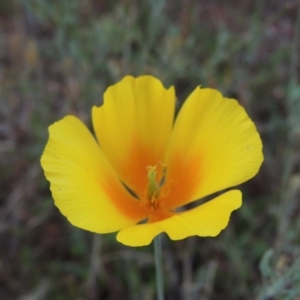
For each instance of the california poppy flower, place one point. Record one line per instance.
(143, 166)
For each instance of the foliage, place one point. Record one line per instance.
(57, 58)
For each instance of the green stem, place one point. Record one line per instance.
(159, 268)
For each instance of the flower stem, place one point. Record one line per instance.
(159, 268)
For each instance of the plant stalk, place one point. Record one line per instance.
(159, 267)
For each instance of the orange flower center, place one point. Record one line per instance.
(156, 190)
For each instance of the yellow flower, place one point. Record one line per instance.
(144, 166)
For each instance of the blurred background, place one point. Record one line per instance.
(57, 58)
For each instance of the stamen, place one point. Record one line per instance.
(153, 186)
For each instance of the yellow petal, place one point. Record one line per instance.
(133, 126)
(207, 219)
(83, 184)
(214, 145)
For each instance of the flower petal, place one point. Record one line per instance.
(214, 145)
(207, 219)
(83, 184)
(133, 127)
